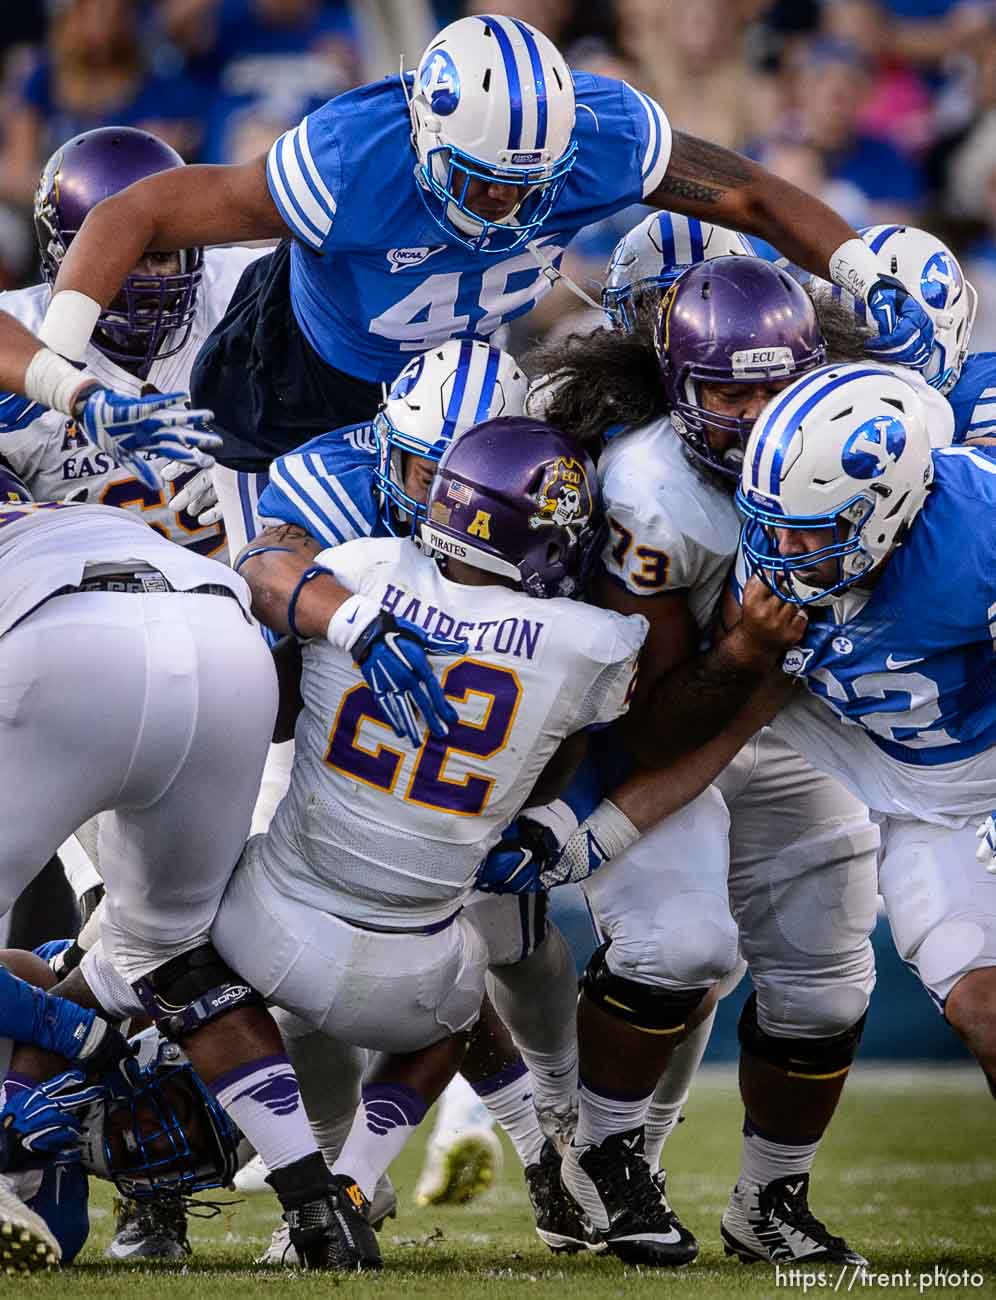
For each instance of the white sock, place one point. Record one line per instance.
(762, 1161)
(385, 1120)
(601, 1115)
(508, 1096)
(671, 1093)
(265, 1102)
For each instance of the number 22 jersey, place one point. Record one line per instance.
(381, 834)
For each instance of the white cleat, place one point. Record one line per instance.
(774, 1223)
(252, 1177)
(26, 1244)
(458, 1166)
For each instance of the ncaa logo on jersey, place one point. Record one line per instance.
(873, 446)
(795, 661)
(440, 84)
(940, 281)
(402, 259)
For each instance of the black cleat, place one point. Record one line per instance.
(332, 1232)
(559, 1220)
(774, 1223)
(154, 1229)
(627, 1207)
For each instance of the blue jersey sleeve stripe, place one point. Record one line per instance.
(299, 185)
(296, 220)
(339, 498)
(314, 488)
(315, 519)
(539, 80)
(318, 187)
(658, 152)
(512, 76)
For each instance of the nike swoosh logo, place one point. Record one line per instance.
(352, 617)
(893, 663)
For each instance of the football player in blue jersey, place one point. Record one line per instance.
(427, 206)
(854, 520)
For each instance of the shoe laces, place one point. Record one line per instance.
(629, 1182)
(800, 1216)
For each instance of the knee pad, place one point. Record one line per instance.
(695, 953)
(647, 1007)
(822, 1003)
(191, 990)
(805, 1058)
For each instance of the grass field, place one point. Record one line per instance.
(908, 1174)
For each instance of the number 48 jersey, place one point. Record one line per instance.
(375, 832)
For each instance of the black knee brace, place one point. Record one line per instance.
(645, 1007)
(191, 990)
(807, 1058)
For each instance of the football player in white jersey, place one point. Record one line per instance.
(147, 340)
(790, 850)
(370, 857)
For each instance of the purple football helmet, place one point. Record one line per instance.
(517, 498)
(734, 320)
(152, 316)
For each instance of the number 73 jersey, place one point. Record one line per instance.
(376, 832)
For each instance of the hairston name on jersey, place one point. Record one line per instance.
(519, 637)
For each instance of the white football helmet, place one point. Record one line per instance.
(492, 100)
(655, 252)
(438, 396)
(929, 269)
(844, 448)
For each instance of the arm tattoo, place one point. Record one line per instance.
(701, 172)
(292, 533)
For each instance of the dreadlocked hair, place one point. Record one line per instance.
(844, 333)
(589, 382)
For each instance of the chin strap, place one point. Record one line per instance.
(553, 274)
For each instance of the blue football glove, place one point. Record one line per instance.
(46, 951)
(125, 427)
(17, 412)
(392, 655)
(82, 1036)
(985, 850)
(516, 863)
(905, 331)
(42, 1123)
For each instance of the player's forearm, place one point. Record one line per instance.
(715, 184)
(29, 368)
(651, 794)
(274, 564)
(687, 707)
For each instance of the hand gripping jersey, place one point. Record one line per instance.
(48, 546)
(973, 398)
(385, 836)
(54, 457)
(374, 278)
(670, 529)
(903, 684)
(327, 486)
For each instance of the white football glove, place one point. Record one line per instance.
(197, 496)
(985, 850)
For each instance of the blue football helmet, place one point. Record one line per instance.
(654, 253)
(436, 397)
(165, 1134)
(492, 101)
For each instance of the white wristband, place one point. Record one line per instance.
(69, 323)
(856, 268)
(349, 620)
(53, 381)
(557, 817)
(612, 829)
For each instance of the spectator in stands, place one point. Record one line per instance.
(93, 71)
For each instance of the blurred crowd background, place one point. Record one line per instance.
(885, 108)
